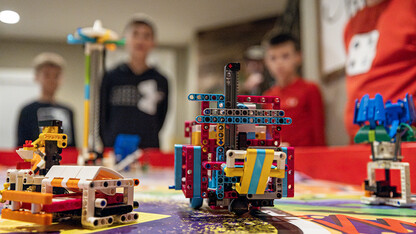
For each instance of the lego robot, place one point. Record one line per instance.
(234, 159)
(41, 191)
(385, 126)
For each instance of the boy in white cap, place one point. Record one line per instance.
(48, 74)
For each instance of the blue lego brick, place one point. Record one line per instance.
(230, 180)
(219, 175)
(284, 185)
(220, 154)
(197, 171)
(206, 97)
(220, 184)
(258, 166)
(244, 120)
(178, 166)
(371, 110)
(251, 135)
(212, 184)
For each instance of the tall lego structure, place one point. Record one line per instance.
(96, 40)
(385, 126)
(234, 159)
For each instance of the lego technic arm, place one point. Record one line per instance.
(45, 151)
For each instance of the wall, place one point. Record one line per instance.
(333, 92)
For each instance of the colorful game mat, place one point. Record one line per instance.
(318, 207)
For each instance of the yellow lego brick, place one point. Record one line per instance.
(86, 123)
(265, 171)
(249, 162)
(261, 136)
(231, 172)
(212, 135)
(28, 197)
(196, 138)
(27, 216)
(278, 173)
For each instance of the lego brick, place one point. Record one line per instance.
(63, 205)
(188, 128)
(251, 136)
(220, 154)
(23, 165)
(243, 112)
(212, 132)
(249, 165)
(29, 197)
(212, 165)
(220, 134)
(187, 187)
(234, 172)
(196, 138)
(258, 99)
(230, 194)
(205, 97)
(219, 184)
(178, 166)
(289, 180)
(197, 172)
(27, 216)
(243, 120)
(265, 170)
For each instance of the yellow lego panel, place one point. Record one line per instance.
(27, 216)
(249, 162)
(28, 197)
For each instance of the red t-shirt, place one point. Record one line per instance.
(381, 54)
(302, 102)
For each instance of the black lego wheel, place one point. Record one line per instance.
(239, 206)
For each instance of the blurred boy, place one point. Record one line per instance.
(48, 73)
(301, 100)
(133, 96)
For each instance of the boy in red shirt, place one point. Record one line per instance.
(301, 100)
(381, 53)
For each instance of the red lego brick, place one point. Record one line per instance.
(290, 172)
(188, 128)
(23, 165)
(187, 188)
(258, 99)
(230, 194)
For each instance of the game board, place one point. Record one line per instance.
(319, 207)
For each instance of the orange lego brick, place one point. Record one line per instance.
(72, 183)
(28, 197)
(27, 216)
(57, 182)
